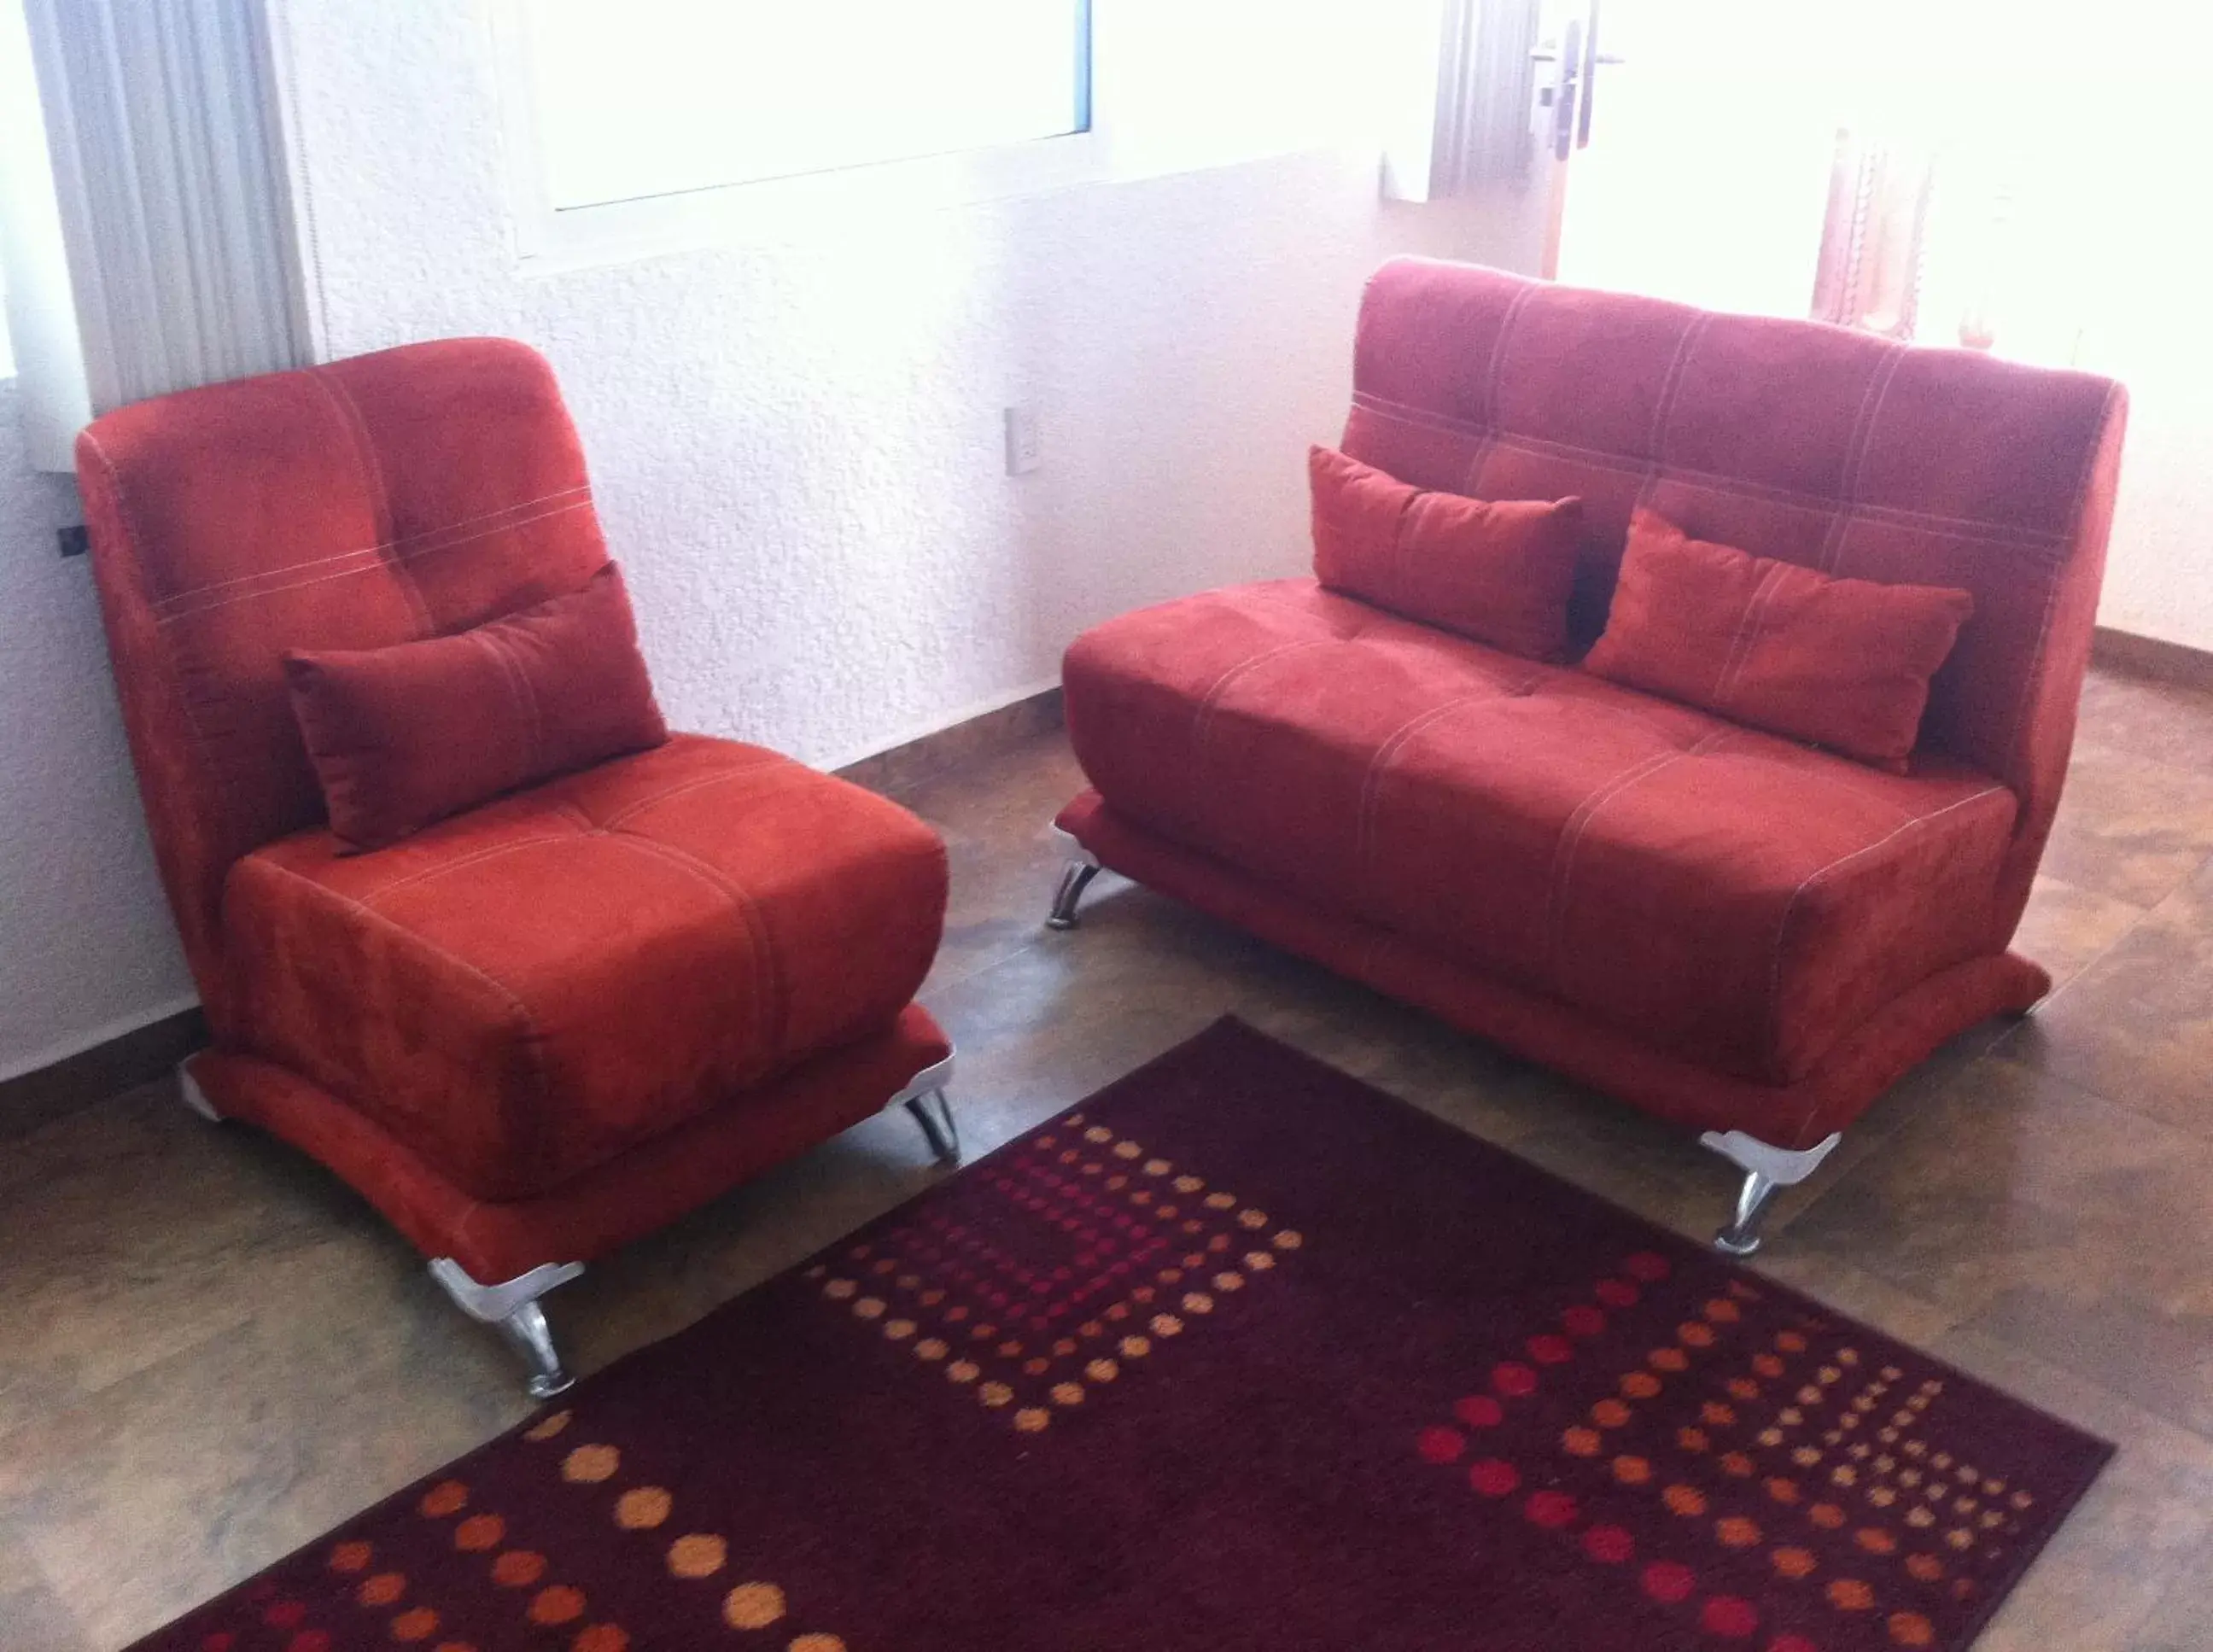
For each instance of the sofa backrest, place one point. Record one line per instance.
(1839, 450)
(406, 494)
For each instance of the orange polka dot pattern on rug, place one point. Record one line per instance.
(1140, 1233)
(1799, 1444)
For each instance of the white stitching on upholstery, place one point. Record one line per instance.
(1487, 431)
(1202, 723)
(1962, 528)
(699, 783)
(431, 874)
(1371, 783)
(533, 1037)
(371, 464)
(1790, 907)
(1747, 633)
(368, 549)
(1846, 510)
(1570, 840)
(773, 1009)
(511, 667)
(1663, 409)
(348, 573)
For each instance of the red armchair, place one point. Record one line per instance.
(535, 1031)
(1741, 934)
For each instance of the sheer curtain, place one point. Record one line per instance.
(169, 194)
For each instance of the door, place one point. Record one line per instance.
(1685, 149)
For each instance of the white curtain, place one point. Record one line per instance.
(169, 176)
(1486, 82)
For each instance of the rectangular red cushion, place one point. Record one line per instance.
(404, 736)
(1499, 571)
(1844, 663)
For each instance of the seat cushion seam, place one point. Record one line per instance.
(431, 874)
(772, 1015)
(700, 782)
(1371, 783)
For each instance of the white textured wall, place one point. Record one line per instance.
(85, 947)
(797, 449)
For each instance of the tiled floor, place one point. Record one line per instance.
(209, 1352)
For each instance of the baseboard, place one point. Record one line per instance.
(2150, 656)
(982, 734)
(36, 1099)
(47, 1093)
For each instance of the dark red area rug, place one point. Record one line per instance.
(1240, 1354)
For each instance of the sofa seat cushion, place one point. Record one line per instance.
(526, 991)
(1727, 895)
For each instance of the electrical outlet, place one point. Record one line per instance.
(1025, 441)
(76, 541)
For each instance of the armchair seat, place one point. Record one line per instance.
(534, 988)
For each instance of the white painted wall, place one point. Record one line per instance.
(87, 949)
(797, 448)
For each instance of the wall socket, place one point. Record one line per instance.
(1025, 441)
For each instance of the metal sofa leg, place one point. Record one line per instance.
(511, 1308)
(925, 1099)
(1767, 1170)
(189, 1091)
(1083, 867)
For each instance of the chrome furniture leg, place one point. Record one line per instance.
(189, 1090)
(1083, 867)
(925, 1099)
(511, 1308)
(1767, 1170)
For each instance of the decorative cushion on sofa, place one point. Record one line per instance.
(403, 735)
(1724, 894)
(526, 990)
(1843, 663)
(1499, 571)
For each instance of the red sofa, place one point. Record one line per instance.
(1742, 934)
(540, 1029)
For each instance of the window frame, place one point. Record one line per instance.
(548, 239)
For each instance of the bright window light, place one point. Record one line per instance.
(647, 98)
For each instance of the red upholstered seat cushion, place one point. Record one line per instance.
(1725, 895)
(1499, 571)
(1843, 663)
(523, 991)
(404, 736)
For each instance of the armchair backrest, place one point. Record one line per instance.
(406, 494)
(1839, 450)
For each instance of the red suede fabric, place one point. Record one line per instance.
(384, 499)
(607, 1206)
(1868, 1060)
(404, 736)
(1633, 889)
(1499, 572)
(543, 1025)
(1843, 663)
(1731, 897)
(1844, 452)
(542, 984)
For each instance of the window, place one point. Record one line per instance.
(651, 98)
